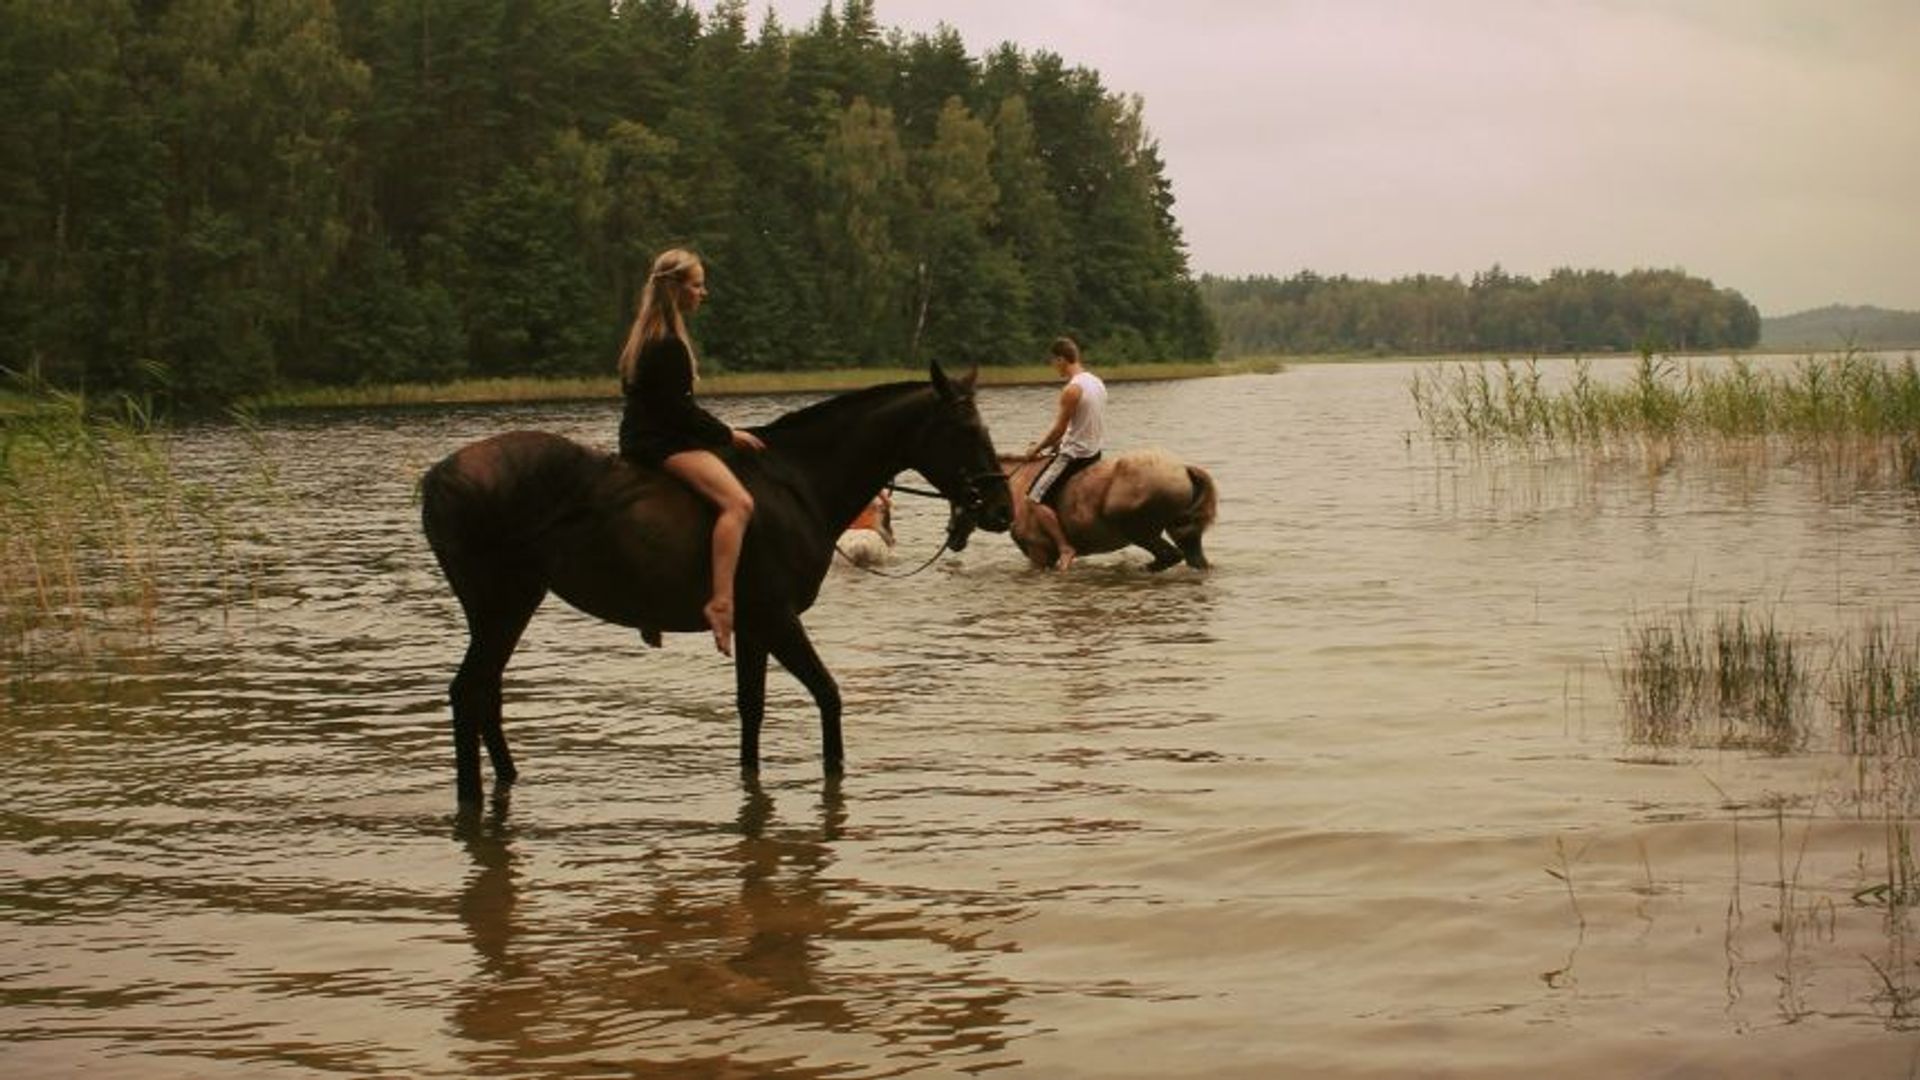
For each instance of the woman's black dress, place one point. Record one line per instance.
(661, 418)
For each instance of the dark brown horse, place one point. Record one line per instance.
(516, 516)
(1147, 498)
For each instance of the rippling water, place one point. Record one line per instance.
(1355, 803)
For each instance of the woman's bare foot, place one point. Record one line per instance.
(720, 617)
(1065, 561)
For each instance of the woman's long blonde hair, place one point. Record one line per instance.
(659, 315)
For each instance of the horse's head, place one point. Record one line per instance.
(955, 454)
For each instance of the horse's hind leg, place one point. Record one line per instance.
(1190, 548)
(1164, 554)
(497, 610)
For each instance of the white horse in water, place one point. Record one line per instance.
(868, 539)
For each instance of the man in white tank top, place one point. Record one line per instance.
(1078, 431)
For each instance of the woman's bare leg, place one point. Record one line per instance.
(707, 474)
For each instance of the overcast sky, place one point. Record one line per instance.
(1772, 146)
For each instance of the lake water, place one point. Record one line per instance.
(1356, 803)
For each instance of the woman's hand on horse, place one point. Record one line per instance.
(747, 440)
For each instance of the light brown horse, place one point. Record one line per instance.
(1148, 498)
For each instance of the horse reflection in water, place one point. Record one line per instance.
(516, 516)
(768, 940)
(1144, 498)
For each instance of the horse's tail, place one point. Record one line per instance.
(1202, 508)
(1206, 499)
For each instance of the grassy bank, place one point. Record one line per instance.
(716, 384)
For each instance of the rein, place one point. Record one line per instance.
(922, 492)
(941, 550)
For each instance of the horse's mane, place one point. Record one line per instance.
(831, 411)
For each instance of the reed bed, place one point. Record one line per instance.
(1852, 409)
(1743, 683)
(1747, 682)
(1876, 697)
(89, 506)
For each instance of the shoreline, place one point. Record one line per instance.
(717, 384)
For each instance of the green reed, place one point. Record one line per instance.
(1748, 682)
(1743, 684)
(1863, 407)
(1876, 694)
(1661, 681)
(88, 501)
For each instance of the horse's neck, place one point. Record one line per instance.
(852, 462)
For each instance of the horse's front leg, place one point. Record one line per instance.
(750, 695)
(794, 650)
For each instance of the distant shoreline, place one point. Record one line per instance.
(719, 384)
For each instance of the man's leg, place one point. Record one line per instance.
(1050, 523)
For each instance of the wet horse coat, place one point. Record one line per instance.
(516, 516)
(1147, 498)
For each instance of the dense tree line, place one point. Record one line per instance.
(1570, 311)
(211, 197)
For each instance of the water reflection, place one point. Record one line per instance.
(762, 940)
(1245, 806)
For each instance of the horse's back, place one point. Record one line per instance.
(1129, 496)
(490, 491)
(619, 540)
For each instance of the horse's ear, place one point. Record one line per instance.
(949, 389)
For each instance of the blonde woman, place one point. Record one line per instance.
(663, 426)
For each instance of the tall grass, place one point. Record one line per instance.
(1744, 684)
(1861, 407)
(1748, 682)
(1877, 691)
(89, 501)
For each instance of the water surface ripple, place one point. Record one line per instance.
(1355, 803)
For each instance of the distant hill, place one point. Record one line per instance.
(1837, 326)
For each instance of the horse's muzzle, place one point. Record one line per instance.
(995, 516)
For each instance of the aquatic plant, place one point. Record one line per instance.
(1755, 681)
(1876, 696)
(1744, 684)
(89, 501)
(1854, 409)
(1660, 681)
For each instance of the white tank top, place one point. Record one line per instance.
(1087, 428)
